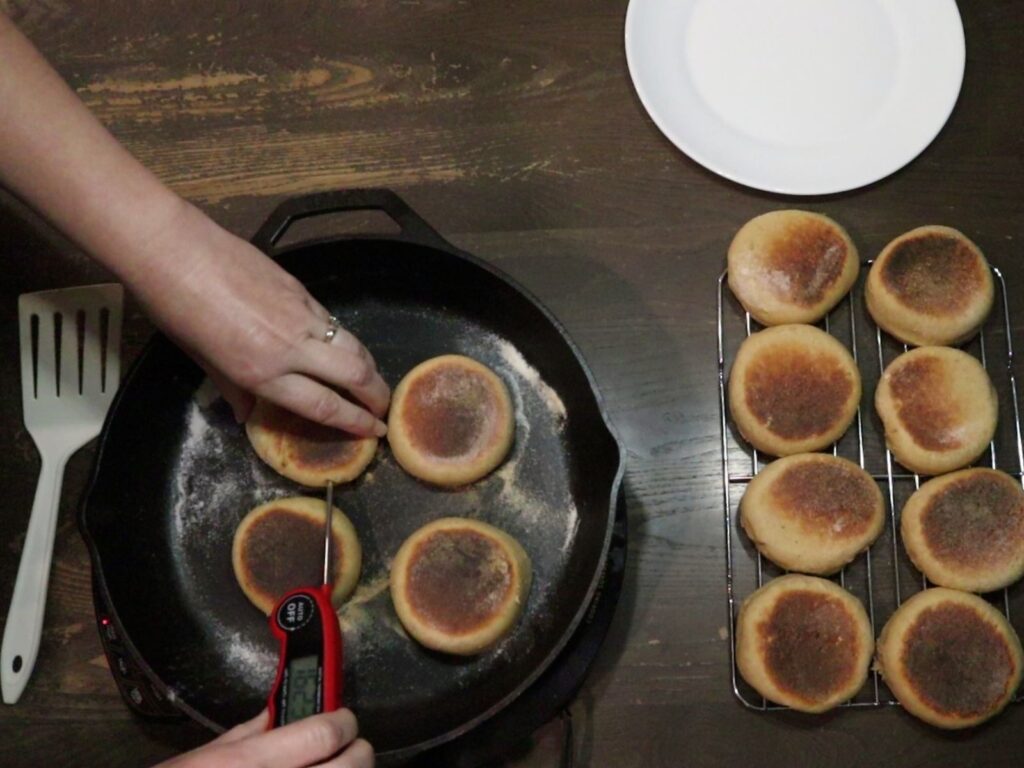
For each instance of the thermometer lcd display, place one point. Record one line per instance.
(303, 688)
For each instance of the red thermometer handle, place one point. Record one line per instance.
(310, 664)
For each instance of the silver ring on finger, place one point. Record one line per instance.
(333, 326)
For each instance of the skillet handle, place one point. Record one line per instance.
(413, 228)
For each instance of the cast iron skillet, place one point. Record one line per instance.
(174, 475)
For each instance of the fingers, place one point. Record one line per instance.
(343, 362)
(244, 730)
(359, 754)
(347, 364)
(312, 400)
(310, 741)
(326, 741)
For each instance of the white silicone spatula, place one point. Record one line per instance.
(70, 369)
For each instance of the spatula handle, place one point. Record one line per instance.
(25, 617)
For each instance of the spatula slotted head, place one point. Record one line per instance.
(70, 360)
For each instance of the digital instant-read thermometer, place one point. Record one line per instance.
(309, 668)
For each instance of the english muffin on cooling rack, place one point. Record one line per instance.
(804, 642)
(939, 409)
(965, 530)
(930, 287)
(791, 266)
(950, 658)
(793, 389)
(812, 512)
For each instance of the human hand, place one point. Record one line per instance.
(327, 740)
(251, 325)
(255, 329)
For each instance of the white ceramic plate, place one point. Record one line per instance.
(797, 96)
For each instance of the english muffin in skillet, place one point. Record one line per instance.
(804, 642)
(793, 389)
(812, 512)
(939, 409)
(279, 546)
(304, 451)
(930, 287)
(451, 421)
(950, 658)
(459, 585)
(965, 530)
(791, 266)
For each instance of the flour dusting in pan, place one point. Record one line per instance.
(515, 360)
(216, 484)
(203, 494)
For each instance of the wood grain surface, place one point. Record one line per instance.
(514, 130)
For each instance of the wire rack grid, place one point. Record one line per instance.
(883, 575)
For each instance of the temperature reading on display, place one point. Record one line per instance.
(303, 688)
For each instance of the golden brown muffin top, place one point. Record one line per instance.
(804, 260)
(458, 579)
(306, 443)
(809, 644)
(827, 498)
(956, 661)
(924, 403)
(933, 272)
(797, 393)
(450, 411)
(283, 550)
(975, 521)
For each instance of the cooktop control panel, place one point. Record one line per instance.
(138, 692)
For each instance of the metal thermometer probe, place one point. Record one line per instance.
(310, 661)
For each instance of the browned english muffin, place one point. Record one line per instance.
(812, 512)
(965, 530)
(304, 451)
(930, 287)
(939, 409)
(459, 585)
(279, 546)
(804, 642)
(791, 266)
(451, 421)
(793, 389)
(950, 658)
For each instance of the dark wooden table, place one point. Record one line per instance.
(513, 128)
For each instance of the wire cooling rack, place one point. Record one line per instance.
(883, 577)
